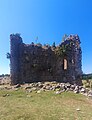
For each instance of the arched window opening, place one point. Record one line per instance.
(65, 64)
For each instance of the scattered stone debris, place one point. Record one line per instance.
(17, 86)
(90, 94)
(29, 96)
(59, 92)
(5, 80)
(5, 95)
(56, 87)
(76, 90)
(78, 109)
(38, 91)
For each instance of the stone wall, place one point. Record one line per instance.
(34, 62)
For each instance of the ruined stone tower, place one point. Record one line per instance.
(34, 62)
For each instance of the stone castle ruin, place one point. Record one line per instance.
(35, 62)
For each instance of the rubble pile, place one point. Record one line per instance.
(57, 88)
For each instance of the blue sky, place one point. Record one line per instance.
(49, 20)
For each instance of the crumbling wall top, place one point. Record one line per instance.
(72, 38)
(15, 37)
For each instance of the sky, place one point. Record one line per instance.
(49, 20)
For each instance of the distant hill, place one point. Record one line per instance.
(87, 76)
(5, 75)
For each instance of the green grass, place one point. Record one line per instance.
(20, 105)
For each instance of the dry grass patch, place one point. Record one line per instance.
(20, 105)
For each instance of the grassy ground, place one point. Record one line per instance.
(87, 83)
(19, 105)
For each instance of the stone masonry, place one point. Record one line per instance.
(35, 62)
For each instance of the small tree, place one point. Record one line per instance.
(54, 45)
(8, 55)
